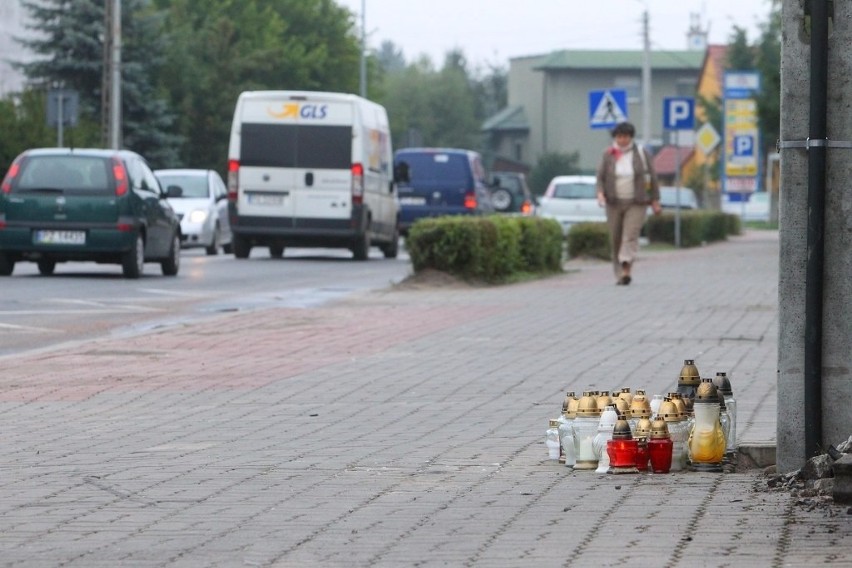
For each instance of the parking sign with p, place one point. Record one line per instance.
(678, 113)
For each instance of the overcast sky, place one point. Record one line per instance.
(492, 31)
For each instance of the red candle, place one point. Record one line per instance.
(660, 451)
(642, 455)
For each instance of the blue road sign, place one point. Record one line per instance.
(744, 146)
(607, 108)
(678, 113)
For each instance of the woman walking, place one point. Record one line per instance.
(626, 186)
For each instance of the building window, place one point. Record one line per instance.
(633, 87)
(519, 151)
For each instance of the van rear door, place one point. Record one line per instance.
(295, 159)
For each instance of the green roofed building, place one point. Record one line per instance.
(548, 103)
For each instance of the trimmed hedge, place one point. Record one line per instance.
(589, 239)
(696, 227)
(491, 248)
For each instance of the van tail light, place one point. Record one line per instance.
(357, 184)
(6, 187)
(470, 200)
(233, 179)
(526, 208)
(119, 174)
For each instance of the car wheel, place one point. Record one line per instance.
(361, 250)
(6, 265)
(391, 250)
(213, 249)
(502, 199)
(228, 249)
(171, 265)
(276, 251)
(46, 267)
(242, 248)
(133, 262)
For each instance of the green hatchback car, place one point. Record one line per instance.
(105, 206)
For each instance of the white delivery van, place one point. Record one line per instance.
(311, 169)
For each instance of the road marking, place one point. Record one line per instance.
(28, 328)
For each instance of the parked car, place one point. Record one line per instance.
(200, 199)
(571, 200)
(669, 198)
(755, 208)
(59, 205)
(510, 193)
(441, 181)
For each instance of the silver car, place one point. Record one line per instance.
(200, 199)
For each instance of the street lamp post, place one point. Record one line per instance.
(364, 48)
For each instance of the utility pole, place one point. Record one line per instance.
(646, 80)
(111, 84)
(364, 48)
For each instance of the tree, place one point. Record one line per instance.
(71, 44)
(768, 63)
(292, 44)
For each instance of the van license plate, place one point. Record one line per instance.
(60, 237)
(412, 201)
(265, 198)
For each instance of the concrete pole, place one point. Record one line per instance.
(835, 372)
(115, 75)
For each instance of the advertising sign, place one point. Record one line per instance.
(742, 137)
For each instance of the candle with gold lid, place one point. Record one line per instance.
(688, 382)
(621, 449)
(585, 427)
(706, 440)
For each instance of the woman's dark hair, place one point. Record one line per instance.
(624, 128)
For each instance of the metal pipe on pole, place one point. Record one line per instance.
(817, 135)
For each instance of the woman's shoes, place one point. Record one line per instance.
(625, 274)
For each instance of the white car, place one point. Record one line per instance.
(571, 200)
(201, 205)
(755, 209)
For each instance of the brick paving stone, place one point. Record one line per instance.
(403, 427)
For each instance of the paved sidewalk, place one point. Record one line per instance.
(404, 427)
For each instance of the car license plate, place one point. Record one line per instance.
(60, 237)
(265, 198)
(412, 201)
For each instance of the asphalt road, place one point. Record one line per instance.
(85, 300)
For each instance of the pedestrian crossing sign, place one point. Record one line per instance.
(607, 108)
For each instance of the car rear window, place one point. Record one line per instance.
(513, 184)
(296, 146)
(574, 191)
(191, 186)
(437, 168)
(86, 174)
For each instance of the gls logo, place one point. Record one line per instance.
(293, 110)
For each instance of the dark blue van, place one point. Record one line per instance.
(442, 181)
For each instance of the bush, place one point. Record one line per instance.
(696, 227)
(492, 248)
(589, 239)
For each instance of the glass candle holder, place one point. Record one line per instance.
(551, 439)
(585, 427)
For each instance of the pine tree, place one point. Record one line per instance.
(70, 43)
